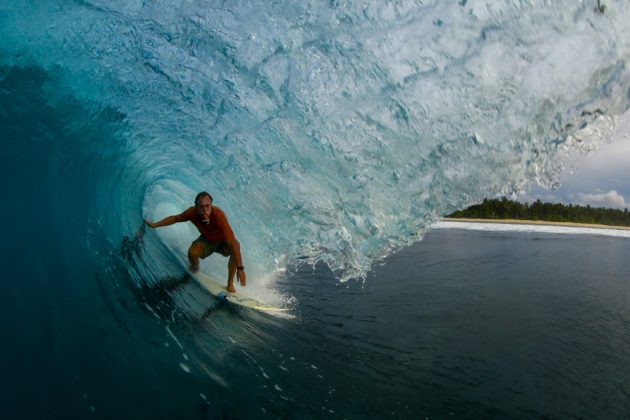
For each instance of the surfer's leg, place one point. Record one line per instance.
(223, 249)
(231, 272)
(194, 252)
(200, 248)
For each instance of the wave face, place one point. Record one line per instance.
(332, 132)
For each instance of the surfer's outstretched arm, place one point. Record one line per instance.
(167, 221)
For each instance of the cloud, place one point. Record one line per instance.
(610, 199)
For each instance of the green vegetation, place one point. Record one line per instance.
(552, 212)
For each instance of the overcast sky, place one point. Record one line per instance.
(601, 179)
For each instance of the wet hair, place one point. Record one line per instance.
(201, 195)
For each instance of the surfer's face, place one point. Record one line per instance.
(204, 208)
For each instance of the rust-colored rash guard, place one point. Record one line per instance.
(217, 230)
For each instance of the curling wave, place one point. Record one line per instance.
(332, 132)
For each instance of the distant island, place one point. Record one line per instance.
(503, 208)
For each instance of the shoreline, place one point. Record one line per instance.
(533, 222)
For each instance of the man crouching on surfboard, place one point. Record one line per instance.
(216, 236)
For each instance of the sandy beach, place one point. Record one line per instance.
(534, 222)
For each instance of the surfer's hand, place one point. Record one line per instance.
(149, 223)
(241, 277)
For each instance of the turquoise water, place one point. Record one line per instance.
(332, 135)
(465, 324)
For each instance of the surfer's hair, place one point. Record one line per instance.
(201, 195)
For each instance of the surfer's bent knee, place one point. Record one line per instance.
(195, 251)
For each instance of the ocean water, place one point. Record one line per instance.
(333, 135)
(464, 324)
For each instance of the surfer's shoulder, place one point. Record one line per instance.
(220, 216)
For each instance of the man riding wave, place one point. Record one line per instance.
(215, 236)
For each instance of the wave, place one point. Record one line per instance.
(334, 132)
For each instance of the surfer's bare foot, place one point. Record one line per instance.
(193, 268)
(230, 288)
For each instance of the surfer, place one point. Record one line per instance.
(216, 236)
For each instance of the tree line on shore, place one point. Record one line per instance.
(552, 212)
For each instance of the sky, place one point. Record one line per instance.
(600, 179)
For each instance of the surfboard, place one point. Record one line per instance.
(217, 289)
